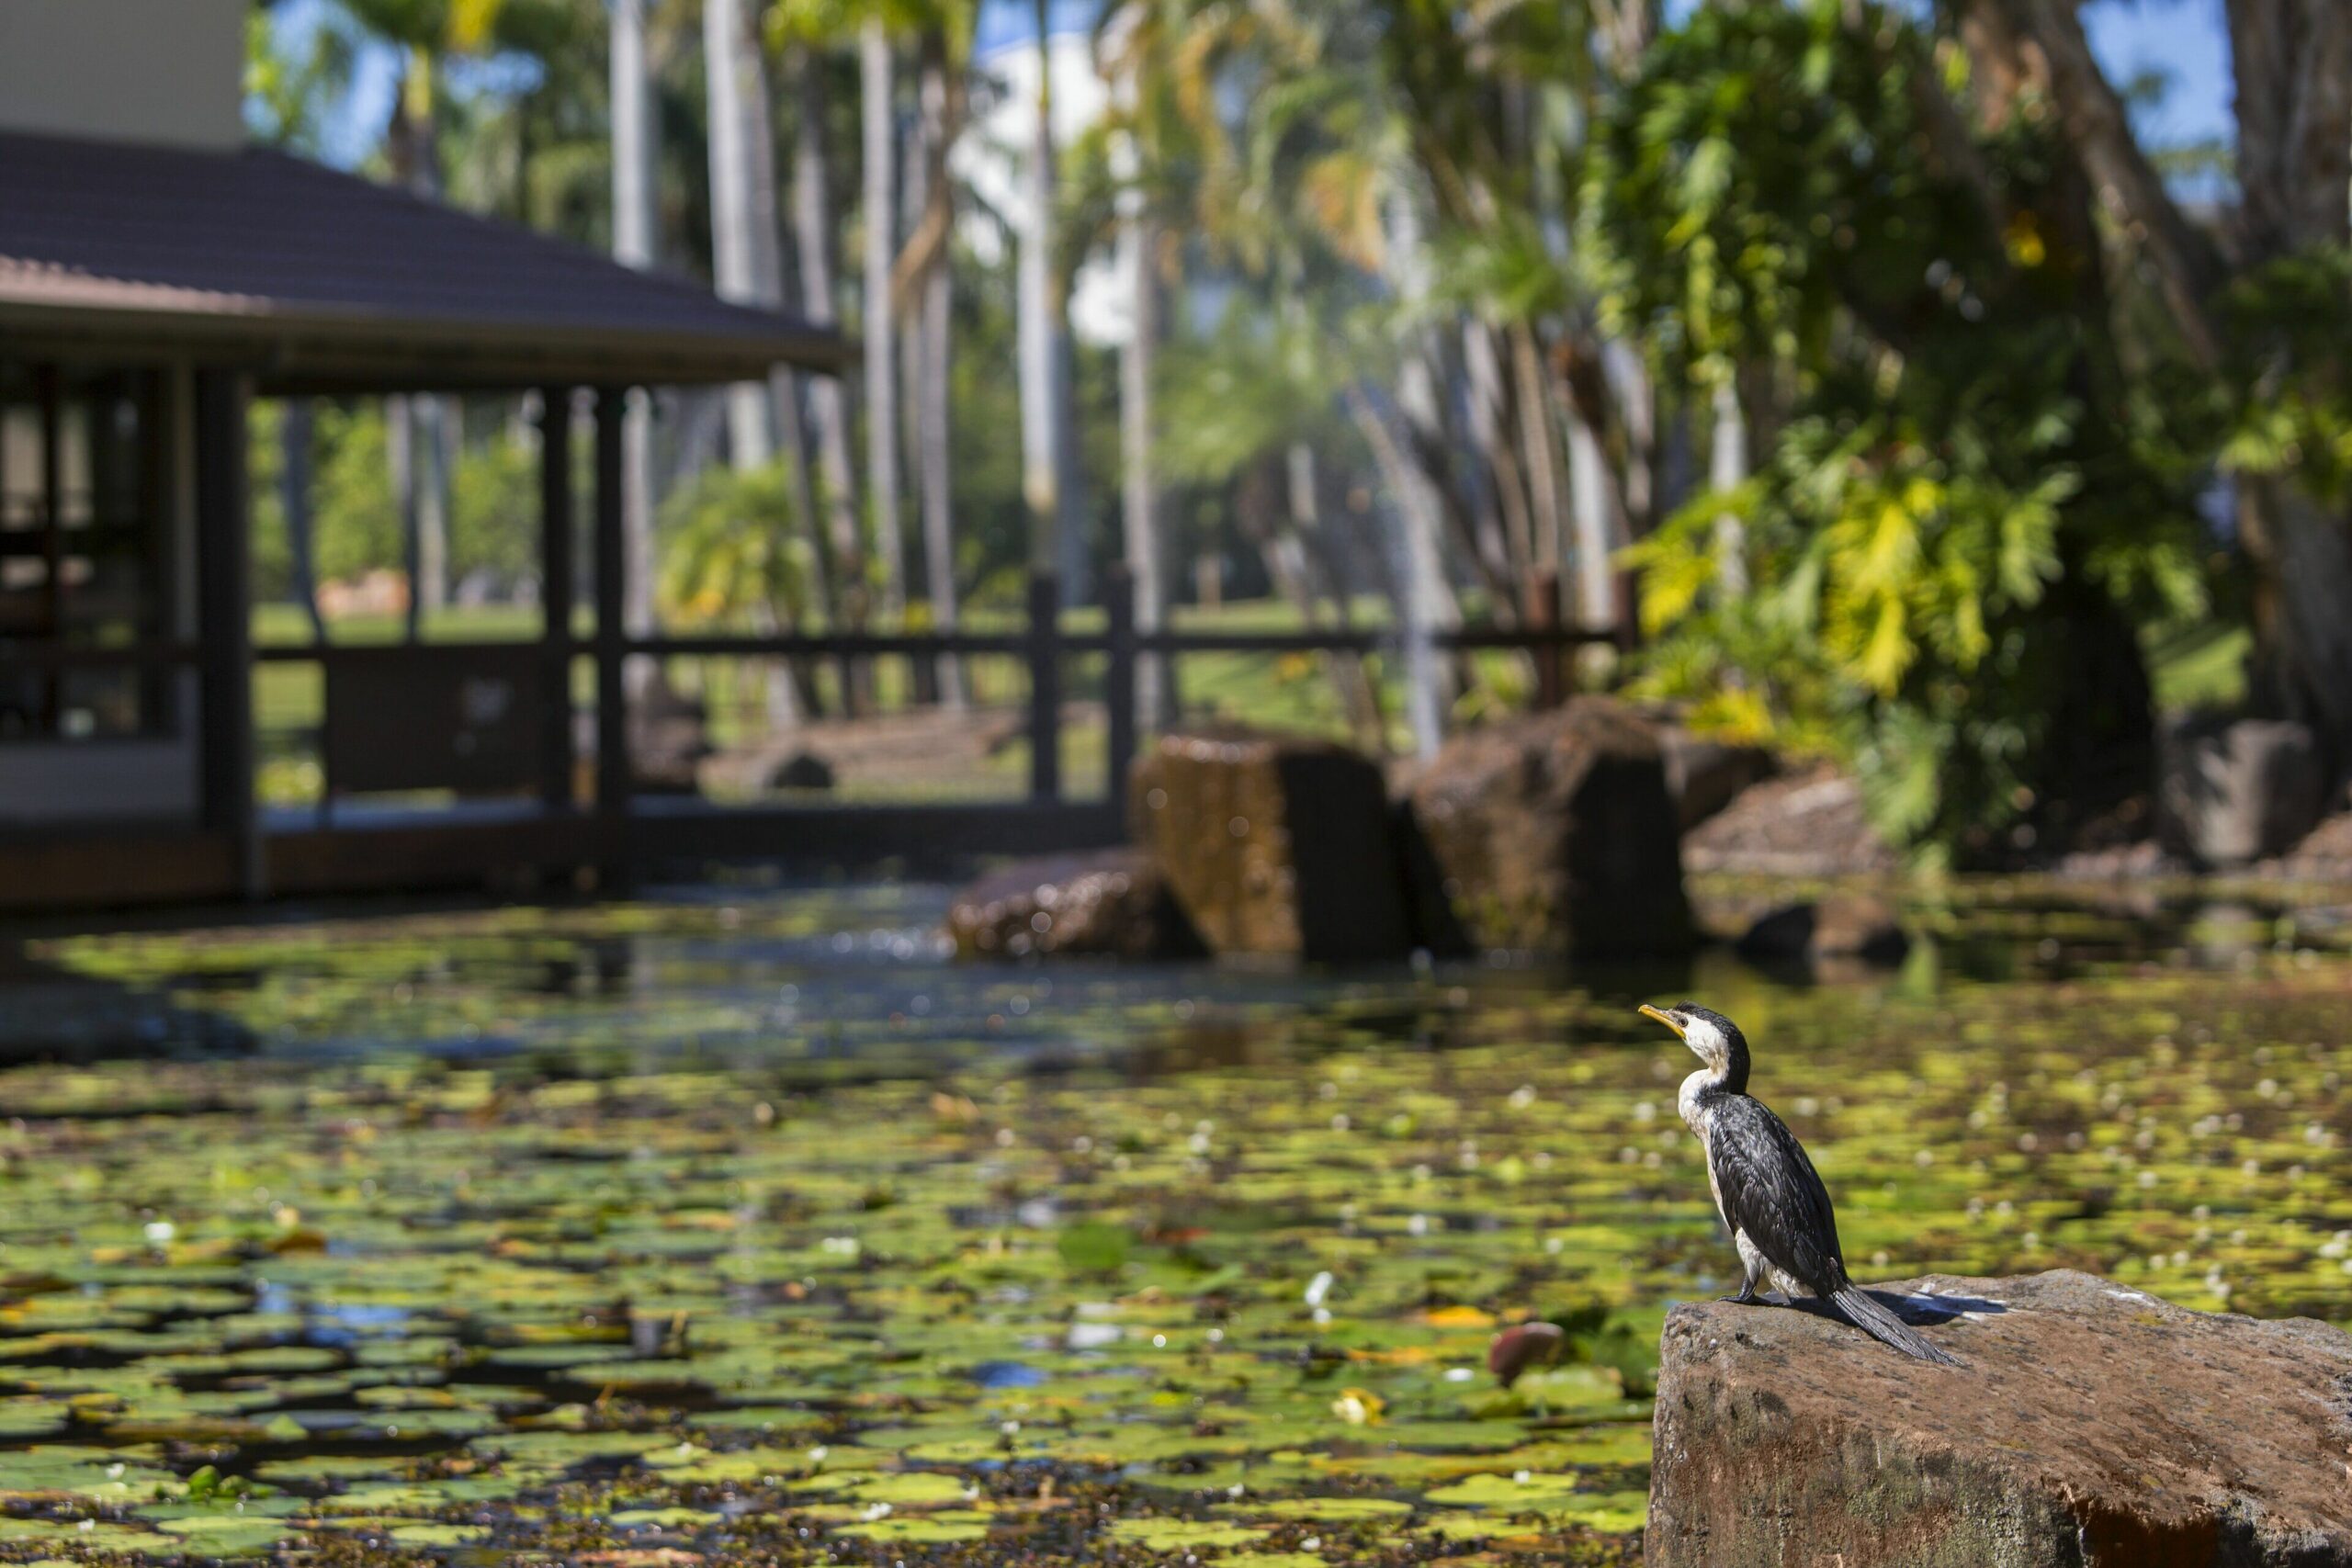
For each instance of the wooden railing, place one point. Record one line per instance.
(1044, 645)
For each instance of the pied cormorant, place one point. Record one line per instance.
(1765, 1187)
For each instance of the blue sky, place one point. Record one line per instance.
(2184, 40)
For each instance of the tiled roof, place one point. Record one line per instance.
(323, 280)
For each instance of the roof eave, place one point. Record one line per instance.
(329, 353)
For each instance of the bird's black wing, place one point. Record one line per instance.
(1769, 1189)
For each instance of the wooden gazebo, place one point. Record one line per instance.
(148, 292)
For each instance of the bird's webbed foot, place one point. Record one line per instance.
(1746, 1296)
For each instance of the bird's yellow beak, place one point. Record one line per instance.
(1664, 1017)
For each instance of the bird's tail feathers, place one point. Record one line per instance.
(1863, 1311)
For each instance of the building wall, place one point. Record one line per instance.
(156, 71)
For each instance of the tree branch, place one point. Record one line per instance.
(2091, 113)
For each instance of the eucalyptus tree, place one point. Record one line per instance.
(1965, 499)
(2255, 310)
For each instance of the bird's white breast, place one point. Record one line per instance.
(1701, 1119)
(1695, 1116)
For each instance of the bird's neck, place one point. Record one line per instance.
(1727, 1074)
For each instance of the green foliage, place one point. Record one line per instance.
(1238, 396)
(1911, 525)
(732, 550)
(2290, 408)
(358, 525)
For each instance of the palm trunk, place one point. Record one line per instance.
(1415, 567)
(908, 376)
(436, 439)
(1536, 442)
(1344, 671)
(1727, 472)
(1596, 538)
(1506, 537)
(878, 117)
(813, 237)
(748, 263)
(399, 459)
(422, 458)
(295, 430)
(741, 178)
(1420, 552)
(1154, 684)
(633, 245)
(1056, 544)
(932, 394)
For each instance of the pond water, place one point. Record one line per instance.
(743, 1227)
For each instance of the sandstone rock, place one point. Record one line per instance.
(1840, 927)
(1809, 823)
(1274, 846)
(2230, 792)
(1557, 832)
(1113, 904)
(2088, 1425)
(1704, 776)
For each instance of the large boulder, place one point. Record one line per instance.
(2087, 1425)
(1274, 846)
(1557, 832)
(1807, 823)
(1111, 904)
(2231, 792)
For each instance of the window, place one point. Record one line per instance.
(83, 547)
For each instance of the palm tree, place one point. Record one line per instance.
(813, 239)
(1047, 434)
(634, 226)
(1118, 50)
(294, 95)
(420, 428)
(879, 120)
(924, 264)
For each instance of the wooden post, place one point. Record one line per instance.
(1540, 610)
(557, 580)
(225, 675)
(1629, 611)
(1119, 695)
(612, 692)
(49, 384)
(1044, 687)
